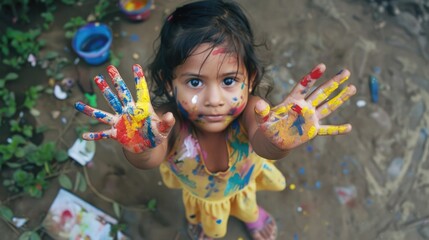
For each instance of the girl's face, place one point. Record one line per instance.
(211, 89)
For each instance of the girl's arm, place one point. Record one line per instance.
(135, 125)
(275, 131)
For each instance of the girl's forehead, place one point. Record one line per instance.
(206, 53)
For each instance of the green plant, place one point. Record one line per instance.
(8, 108)
(17, 45)
(100, 9)
(10, 76)
(33, 164)
(72, 25)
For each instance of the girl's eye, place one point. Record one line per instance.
(195, 83)
(229, 81)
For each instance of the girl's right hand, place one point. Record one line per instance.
(135, 125)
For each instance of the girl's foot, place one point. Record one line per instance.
(265, 228)
(195, 232)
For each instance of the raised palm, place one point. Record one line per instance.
(135, 125)
(297, 119)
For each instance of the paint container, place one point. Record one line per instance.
(92, 43)
(136, 10)
(373, 87)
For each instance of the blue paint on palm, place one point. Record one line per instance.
(298, 124)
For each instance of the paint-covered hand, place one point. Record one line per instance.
(297, 119)
(135, 125)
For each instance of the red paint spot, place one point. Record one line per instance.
(304, 82)
(88, 110)
(138, 71)
(264, 119)
(296, 109)
(101, 83)
(113, 72)
(316, 73)
(218, 51)
(162, 127)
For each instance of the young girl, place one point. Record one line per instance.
(213, 137)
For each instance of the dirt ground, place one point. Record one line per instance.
(384, 160)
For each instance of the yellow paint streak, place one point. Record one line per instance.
(307, 111)
(325, 111)
(342, 129)
(129, 125)
(328, 90)
(264, 112)
(320, 97)
(332, 130)
(143, 100)
(280, 110)
(344, 79)
(311, 132)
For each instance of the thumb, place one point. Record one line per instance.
(262, 110)
(167, 122)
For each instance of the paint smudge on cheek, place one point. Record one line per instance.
(238, 106)
(182, 110)
(194, 99)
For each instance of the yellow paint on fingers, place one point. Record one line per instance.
(143, 99)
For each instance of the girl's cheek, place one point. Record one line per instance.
(238, 104)
(188, 107)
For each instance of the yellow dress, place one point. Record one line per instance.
(210, 198)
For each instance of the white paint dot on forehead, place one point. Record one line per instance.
(194, 99)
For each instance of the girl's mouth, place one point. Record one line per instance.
(214, 118)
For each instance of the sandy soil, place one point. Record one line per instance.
(300, 33)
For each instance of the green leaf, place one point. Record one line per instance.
(61, 156)
(65, 181)
(80, 182)
(117, 209)
(51, 55)
(6, 213)
(13, 165)
(11, 76)
(151, 205)
(29, 235)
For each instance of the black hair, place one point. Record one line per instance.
(216, 22)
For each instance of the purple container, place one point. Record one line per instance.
(139, 14)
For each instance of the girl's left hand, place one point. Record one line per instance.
(297, 119)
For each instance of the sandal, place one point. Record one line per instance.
(195, 232)
(265, 228)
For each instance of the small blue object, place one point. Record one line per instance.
(301, 171)
(318, 185)
(373, 86)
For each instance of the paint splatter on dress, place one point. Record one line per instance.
(210, 198)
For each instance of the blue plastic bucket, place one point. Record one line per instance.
(92, 43)
(136, 10)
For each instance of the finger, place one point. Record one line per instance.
(166, 124)
(325, 130)
(93, 136)
(143, 97)
(262, 110)
(100, 115)
(326, 89)
(122, 89)
(327, 108)
(108, 94)
(303, 87)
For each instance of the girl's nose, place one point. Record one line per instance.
(214, 97)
